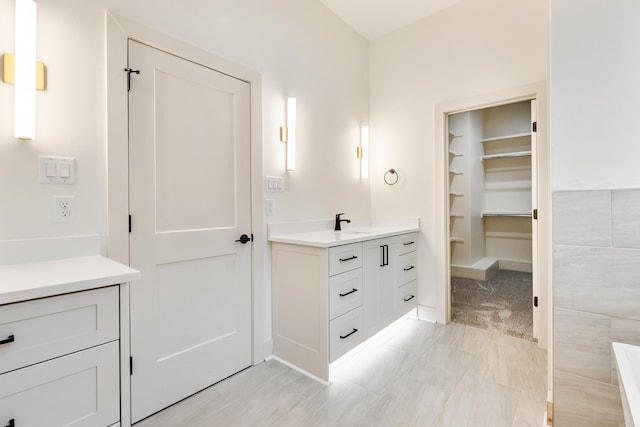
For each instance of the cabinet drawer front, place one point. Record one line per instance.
(50, 327)
(345, 258)
(406, 298)
(407, 268)
(345, 332)
(345, 292)
(81, 389)
(408, 243)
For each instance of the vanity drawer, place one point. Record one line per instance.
(406, 298)
(38, 330)
(80, 389)
(408, 243)
(344, 258)
(407, 268)
(345, 292)
(345, 332)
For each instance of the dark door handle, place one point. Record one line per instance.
(347, 259)
(349, 293)
(9, 339)
(408, 243)
(410, 298)
(12, 422)
(342, 337)
(244, 239)
(409, 268)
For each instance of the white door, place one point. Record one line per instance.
(535, 277)
(189, 154)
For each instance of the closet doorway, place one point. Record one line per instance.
(492, 212)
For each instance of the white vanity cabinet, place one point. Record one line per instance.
(60, 343)
(389, 265)
(328, 298)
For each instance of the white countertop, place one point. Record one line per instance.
(329, 238)
(19, 282)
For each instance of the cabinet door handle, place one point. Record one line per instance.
(385, 255)
(349, 293)
(347, 259)
(12, 422)
(410, 298)
(409, 268)
(9, 339)
(342, 337)
(408, 243)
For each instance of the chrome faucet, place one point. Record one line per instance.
(339, 221)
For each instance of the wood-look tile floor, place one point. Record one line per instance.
(414, 373)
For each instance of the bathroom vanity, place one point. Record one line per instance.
(60, 342)
(332, 290)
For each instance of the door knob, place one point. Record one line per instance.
(243, 239)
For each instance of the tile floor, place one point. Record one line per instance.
(414, 373)
(501, 304)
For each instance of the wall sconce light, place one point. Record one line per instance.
(363, 152)
(23, 71)
(288, 134)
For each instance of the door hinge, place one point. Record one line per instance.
(129, 71)
(534, 126)
(535, 214)
(535, 301)
(252, 237)
(131, 365)
(129, 223)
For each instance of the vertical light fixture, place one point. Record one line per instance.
(25, 70)
(291, 134)
(363, 152)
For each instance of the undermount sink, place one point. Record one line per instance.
(628, 366)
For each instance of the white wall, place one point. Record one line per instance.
(594, 94)
(300, 48)
(471, 49)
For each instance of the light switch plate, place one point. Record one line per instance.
(274, 184)
(57, 170)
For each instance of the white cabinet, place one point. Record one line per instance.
(388, 264)
(60, 360)
(328, 300)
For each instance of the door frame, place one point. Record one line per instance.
(536, 91)
(118, 31)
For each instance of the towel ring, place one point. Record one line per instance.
(391, 177)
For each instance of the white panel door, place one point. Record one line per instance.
(535, 277)
(189, 153)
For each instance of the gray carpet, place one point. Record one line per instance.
(501, 304)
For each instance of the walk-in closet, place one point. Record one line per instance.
(492, 192)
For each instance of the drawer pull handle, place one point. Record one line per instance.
(409, 268)
(9, 339)
(349, 293)
(12, 422)
(342, 337)
(408, 243)
(347, 259)
(410, 298)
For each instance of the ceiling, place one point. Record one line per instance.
(375, 18)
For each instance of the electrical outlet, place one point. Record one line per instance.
(269, 207)
(64, 208)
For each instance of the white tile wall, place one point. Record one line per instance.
(596, 290)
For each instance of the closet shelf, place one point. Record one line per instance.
(456, 239)
(506, 155)
(452, 154)
(507, 214)
(456, 173)
(456, 215)
(456, 194)
(453, 136)
(503, 137)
